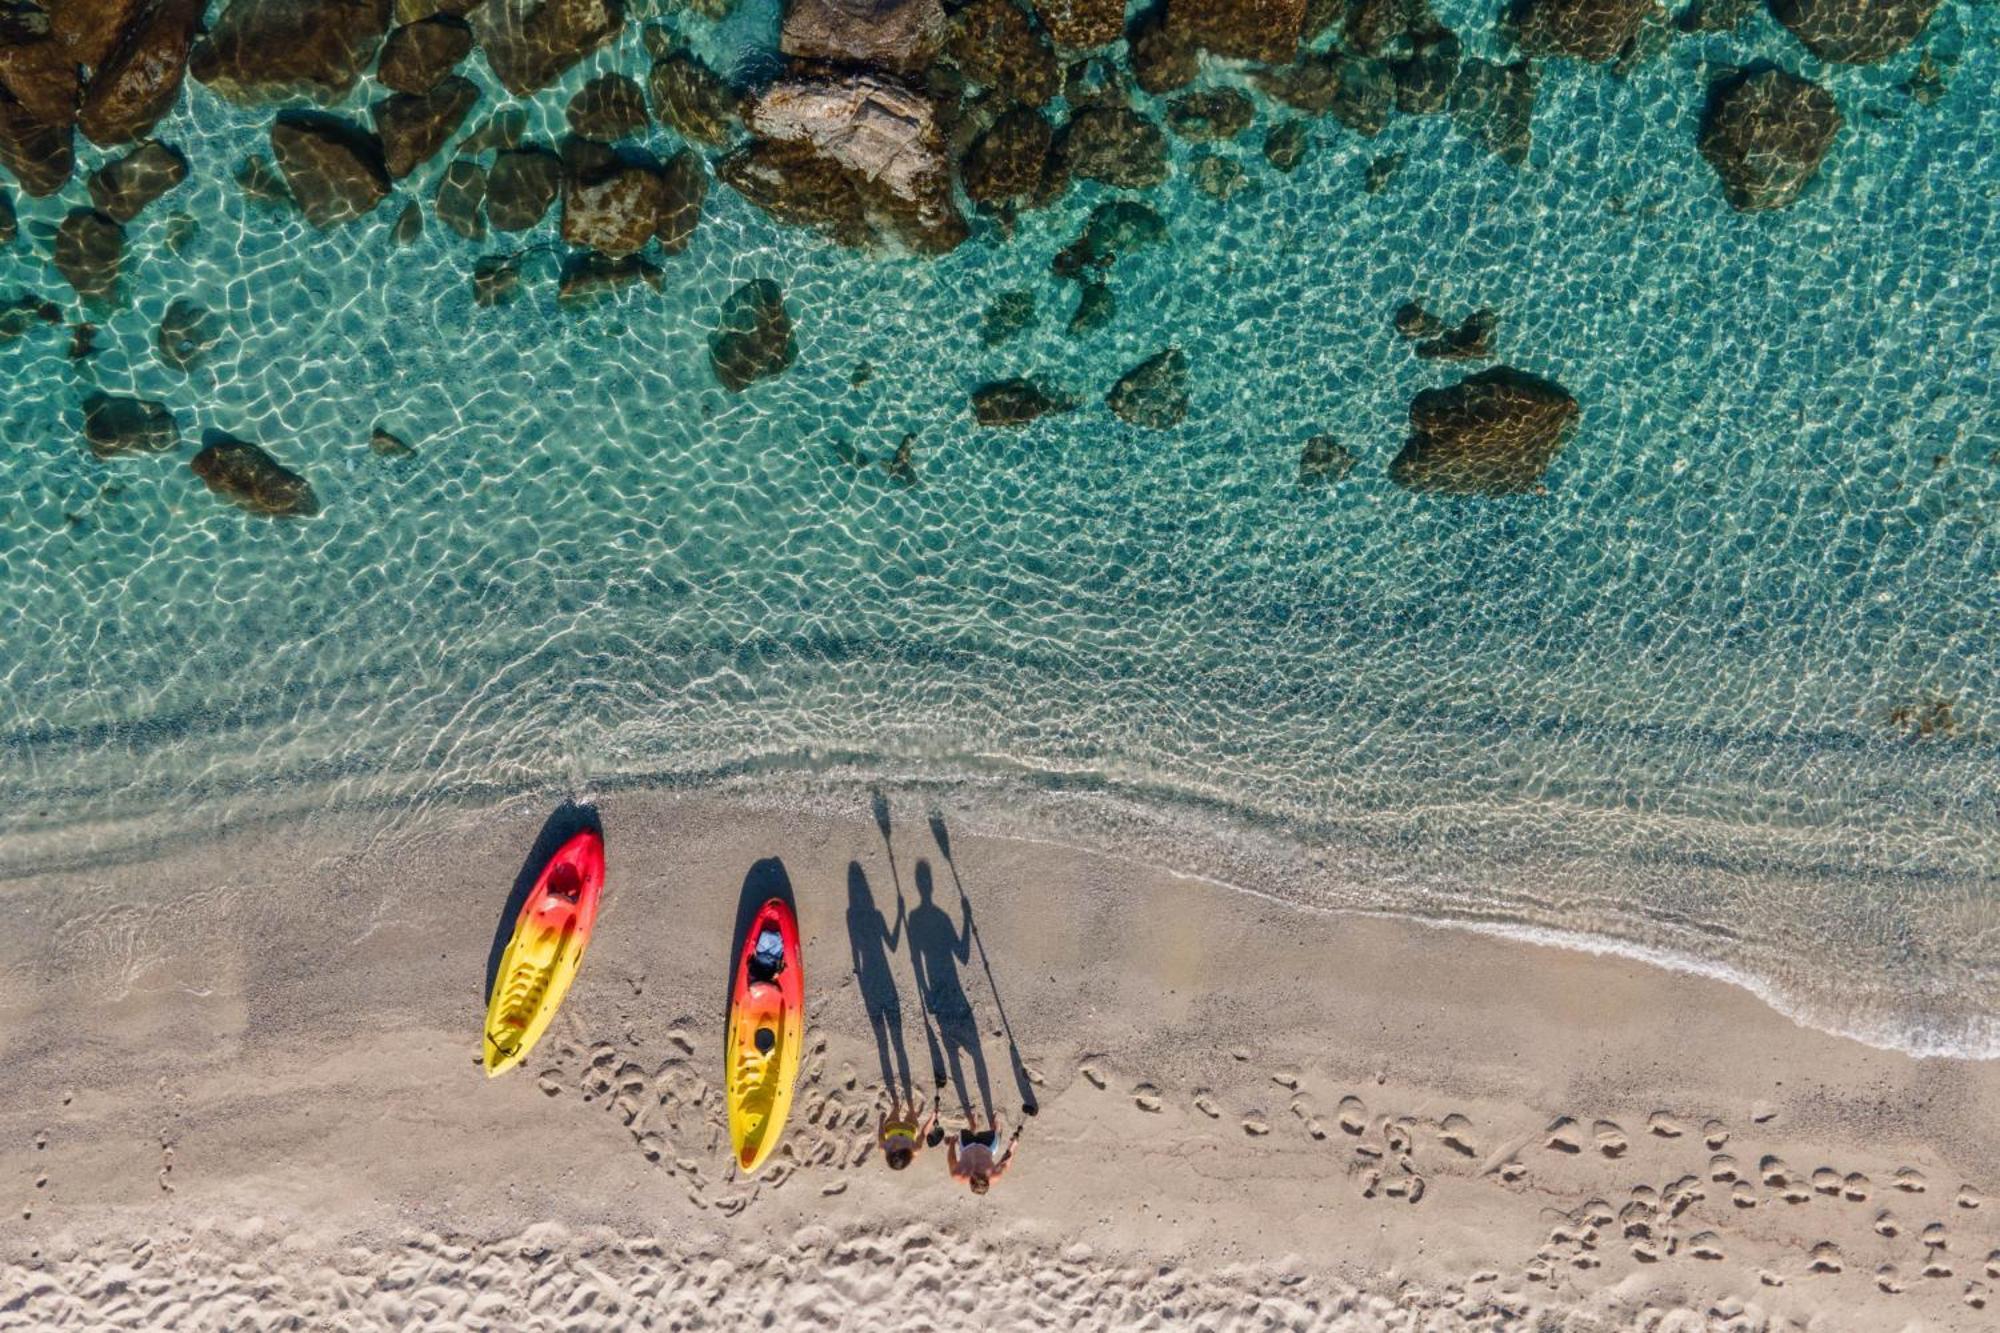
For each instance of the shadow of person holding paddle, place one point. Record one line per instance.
(1022, 1083)
(937, 947)
(568, 820)
(870, 941)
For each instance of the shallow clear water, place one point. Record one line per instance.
(1651, 709)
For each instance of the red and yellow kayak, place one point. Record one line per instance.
(542, 958)
(767, 1020)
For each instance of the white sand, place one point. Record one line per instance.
(244, 1090)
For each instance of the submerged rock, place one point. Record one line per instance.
(1015, 402)
(1413, 321)
(1267, 31)
(1369, 26)
(1115, 145)
(1591, 30)
(263, 183)
(1715, 15)
(123, 187)
(1011, 162)
(1219, 177)
(251, 479)
(88, 251)
(22, 313)
(496, 280)
(39, 154)
(460, 193)
(37, 71)
(141, 74)
(685, 183)
(501, 130)
(1472, 340)
(1358, 92)
(521, 186)
(1081, 24)
(1007, 315)
(263, 51)
(1116, 228)
(1322, 460)
(608, 108)
(530, 43)
(1286, 144)
(1493, 433)
(385, 444)
(1425, 76)
(1096, 306)
(113, 426)
(9, 226)
(409, 224)
(693, 99)
(855, 154)
(753, 340)
(1854, 32)
(1152, 394)
(1161, 60)
(1765, 133)
(333, 167)
(413, 127)
(1210, 115)
(611, 200)
(186, 336)
(1381, 171)
(901, 36)
(994, 46)
(418, 55)
(1494, 105)
(588, 276)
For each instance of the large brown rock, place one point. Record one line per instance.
(1161, 61)
(521, 186)
(460, 193)
(1854, 32)
(251, 479)
(89, 249)
(693, 99)
(529, 43)
(333, 168)
(684, 183)
(142, 74)
(608, 108)
(1115, 145)
(1494, 106)
(995, 47)
(1009, 163)
(1261, 30)
(87, 30)
(611, 200)
(418, 55)
(900, 36)
(1153, 394)
(1081, 24)
(40, 155)
(753, 340)
(113, 426)
(122, 188)
(1765, 133)
(857, 154)
(1358, 91)
(414, 127)
(1592, 30)
(1016, 402)
(1493, 433)
(40, 73)
(264, 51)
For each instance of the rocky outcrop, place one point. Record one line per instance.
(995, 47)
(1096, 306)
(1286, 144)
(413, 127)
(496, 280)
(1115, 145)
(1323, 459)
(611, 198)
(1765, 133)
(1854, 32)
(122, 188)
(418, 55)
(1010, 163)
(684, 184)
(1082, 24)
(521, 186)
(1152, 394)
(185, 337)
(1425, 76)
(1221, 113)
(1357, 91)
(901, 36)
(89, 249)
(1267, 31)
(589, 275)
(529, 43)
(114, 426)
(1015, 402)
(1592, 30)
(693, 99)
(1117, 228)
(608, 108)
(1494, 433)
(39, 154)
(333, 168)
(263, 51)
(753, 339)
(38, 72)
(9, 225)
(1494, 105)
(141, 74)
(460, 193)
(1471, 340)
(251, 479)
(858, 155)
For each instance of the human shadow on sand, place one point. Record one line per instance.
(1022, 1083)
(568, 820)
(871, 938)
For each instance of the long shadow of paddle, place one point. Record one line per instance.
(1022, 1084)
(568, 820)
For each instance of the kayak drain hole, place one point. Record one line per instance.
(766, 1039)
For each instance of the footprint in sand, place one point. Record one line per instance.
(837, 1187)
(547, 1083)
(1664, 1125)
(1854, 1188)
(1594, 1214)
(1286, 1079)
(1968, 1197)
(1097, 1080)
(1204, 1102)
(1635, 1219)
(41, 1140)
(1826, 1258)
(1302, 1108)
(1722, 1169)
(1455, 1132)
(1910, 1180)
(1742, 1195)
(678, 1037)
(1611, 1140)
(1353, 1115)
(1563, 1136)
(1826, 1181)
(1714, 1133)
(1147, 1098)
(1772, 1172)
(1993, 1264)
(1889, 1279)
(1975, 1295)
(1645, 1252)
(1937, 1267)
(1933, 1236)
(1705, 1245)
(1511, 1170)
(1402, 1134)
(1406, 1187)
(1886, 1224)
(1256, 1126)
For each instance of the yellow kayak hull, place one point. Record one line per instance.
(767, 1019)
(546, 949)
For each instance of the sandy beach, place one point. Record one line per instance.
(245, 1092)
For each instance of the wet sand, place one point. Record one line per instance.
(244, 1086)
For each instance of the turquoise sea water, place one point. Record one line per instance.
(1655, 709)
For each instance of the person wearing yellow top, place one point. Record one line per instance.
(903, 1138)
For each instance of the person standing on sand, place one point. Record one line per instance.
(969, 1156)
(903, 1139)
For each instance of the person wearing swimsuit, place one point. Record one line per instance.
(903, 1139)
(970, 1158)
